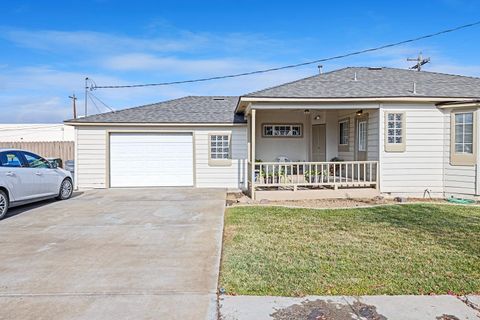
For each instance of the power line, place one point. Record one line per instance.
(106, 106)
(93, 101)
(292, 65)
(30, 128)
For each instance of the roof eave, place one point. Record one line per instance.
(155, 124)
(459, 104)
(245, 100)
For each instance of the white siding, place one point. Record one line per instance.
(91, 162)
(296, 149)
(460, 181)
(269, 148)
(90, 165)
(372, 145)
(233, 176)
(420, 166)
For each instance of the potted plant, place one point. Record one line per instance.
(276, 176)
(336, 166)
(312, 176)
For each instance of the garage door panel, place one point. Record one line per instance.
(151, 159)
(166, 165)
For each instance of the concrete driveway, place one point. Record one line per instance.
(113, 254)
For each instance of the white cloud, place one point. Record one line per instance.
(90, 41)
(34, 110)
(174, 65)
(177, 41)
(39, 93)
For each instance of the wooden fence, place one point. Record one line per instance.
(64, 150)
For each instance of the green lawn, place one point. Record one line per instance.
(396, 249)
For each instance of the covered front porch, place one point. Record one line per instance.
(313, 152)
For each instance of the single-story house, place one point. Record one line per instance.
(350, 132)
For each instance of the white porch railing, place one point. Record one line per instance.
(310, 174)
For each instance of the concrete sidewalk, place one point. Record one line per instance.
(346, 308)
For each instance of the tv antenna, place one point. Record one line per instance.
(420, 61)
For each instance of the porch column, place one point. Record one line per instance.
(309, 137)
(252, 153)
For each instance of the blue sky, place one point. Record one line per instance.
(47, 48)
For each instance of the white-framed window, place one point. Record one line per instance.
(395, 131)
(395, 128)
(344, 135)
(362, 136)
(282, 130)
(219, 149)
(464, 132)
(463, 138)
(343, 126)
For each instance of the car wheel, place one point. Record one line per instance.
(3, 204)
(66, 190)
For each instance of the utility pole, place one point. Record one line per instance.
(419, 62)
(86, 96)
(74, 99)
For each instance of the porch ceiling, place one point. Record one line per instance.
(311, 106)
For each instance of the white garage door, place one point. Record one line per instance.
(151, 159)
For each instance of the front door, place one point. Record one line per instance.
(361, 139)
(318, 143)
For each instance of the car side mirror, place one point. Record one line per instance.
(54, 165)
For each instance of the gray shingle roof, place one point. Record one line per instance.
(191, 109)
(376, 82)
(369, 83)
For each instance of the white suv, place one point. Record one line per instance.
(26, 177)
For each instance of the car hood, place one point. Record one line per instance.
(64, 172)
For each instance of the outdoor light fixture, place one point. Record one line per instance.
(359, 112)
(306, 111)
(317, 118)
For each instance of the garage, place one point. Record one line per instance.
(151, 159)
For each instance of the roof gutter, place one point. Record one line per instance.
(143, 124)
(459, 104)
(244, 101)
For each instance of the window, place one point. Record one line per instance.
(220, 149)
(462, 139)
(282, 130)
(464, 133)
(35, 161)
(343, 125)
(395, 131)
(344, 133)
(362, 136)
(10, 159)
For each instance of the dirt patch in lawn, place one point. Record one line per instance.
(350, 203)
(447, 317)
(239, 199)
(327, 310)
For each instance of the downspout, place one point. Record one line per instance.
(445, 159)
(75, 156)
(381, 146)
